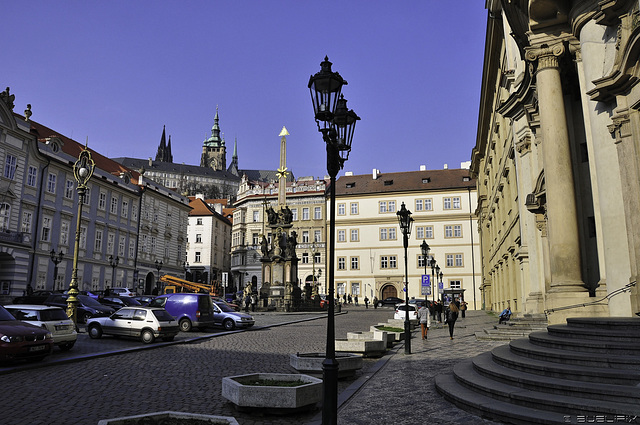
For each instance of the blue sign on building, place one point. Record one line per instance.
(426, 285)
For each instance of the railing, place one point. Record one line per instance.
(9, 236)
(603, 300)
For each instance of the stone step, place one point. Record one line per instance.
(615, 334)
(630, 325)
(602, 345)
(524, 347)
(486, 366)
(467, 376)
(496, 336)
(504, 356)
(489, 408)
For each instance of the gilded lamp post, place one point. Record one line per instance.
(82, 171)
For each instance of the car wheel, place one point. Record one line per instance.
(380, 304)
(84, 317)
(95, 331)
(168, 338)
(147, 336)
(229, 325)
(67, 346)
(185, 325)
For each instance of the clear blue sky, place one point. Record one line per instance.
(117, 71)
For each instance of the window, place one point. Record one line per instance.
(305, 236)
(134, 212)
(102, 201)
(455, 284)
(342, 263)
(5, 210)
(256, 216)
(132, 248)
(457, 231)
(458, 260)
(305, 258)
(152, 240)
(111, 238)
(305, 213)
(383, 234)
(355, 288)
(388, 262)
(294, 214)
(125, 209)
(32, 176)
(121, 245)
(97, 246)
(448, 231)
(342, 209)
(354, 208)
(317, 213)
(114, 205)
(421, 263)
(198, 238)
(354, 235)
(384, 262)
(198, 221)
(388, 233)
(197, 256)
(317, 235)
(428, 205)
(452, 203)
(83, 237)
(86, 197)
(392, 206)
(64, 232)
(68, 189)
(354, 263)
(317, 258)
(456, 203)
(46, 229)
(382, 207)
(10, 166)
(255, 238)
(419, 205)
(393, 263)
(26, 222)
(51, 183)
(342, 236)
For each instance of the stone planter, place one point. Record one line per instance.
(311, 363)
(366, 347)
(397, 336)
(275, 399)
(168, 417)
(375, 334)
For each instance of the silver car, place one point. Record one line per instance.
(145, 323)
(228, 318)
(53, 319)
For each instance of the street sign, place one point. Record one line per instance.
(440, 286)
(426, 285)
(225, 279)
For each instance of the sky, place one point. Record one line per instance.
(115, 72)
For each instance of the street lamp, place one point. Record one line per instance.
(186, 270)
(57, 259)
(337, 124)
(158, 267)
(82, 171)
(113, 262)
(405, 221)
(424, 247)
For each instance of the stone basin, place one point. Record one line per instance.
(376, 334)
(311, 363)
(366, 347)
(169, 417)
(275, 399)
(397, 336)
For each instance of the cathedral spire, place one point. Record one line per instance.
(164, 153)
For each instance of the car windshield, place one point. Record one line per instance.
(163, 315)
(5, 315)
(88, 301)
(404, 308)
(225, 307)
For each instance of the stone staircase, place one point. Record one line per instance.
(516, 328)
(587, 369)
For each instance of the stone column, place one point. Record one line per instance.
(562, 222)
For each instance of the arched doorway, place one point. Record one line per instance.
(388, 290)
(149, 284)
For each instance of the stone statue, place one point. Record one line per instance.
(272, 216)
(291, 244)
(264, 246)
(287, 215)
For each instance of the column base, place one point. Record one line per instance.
(579, 300)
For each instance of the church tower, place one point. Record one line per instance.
(164, 149)
(233, 167)
(214, 152)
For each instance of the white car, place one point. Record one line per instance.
(122, 292)
(401, 312)
(144, 323)
(53, 319)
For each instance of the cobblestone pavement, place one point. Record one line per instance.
(187, 376)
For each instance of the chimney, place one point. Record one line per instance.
(446, 166)
(375, 173)
(150, 162)
(200, 196)
(423, 168)
(348, 173)
(465, 165)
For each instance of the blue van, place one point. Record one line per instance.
(190, 310)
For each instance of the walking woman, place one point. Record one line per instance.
(451, 315)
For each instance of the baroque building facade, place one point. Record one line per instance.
(556, 158)
(369, 243)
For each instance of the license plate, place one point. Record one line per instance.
(38, 348)
(62, 327)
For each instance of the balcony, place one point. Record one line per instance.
(13, 237)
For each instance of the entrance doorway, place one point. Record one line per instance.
(389, 291)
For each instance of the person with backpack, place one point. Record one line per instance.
(450, 317)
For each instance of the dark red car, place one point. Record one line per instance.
(20, 340)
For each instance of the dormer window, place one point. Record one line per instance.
(351, 185)
(426, 180)
(388, 182)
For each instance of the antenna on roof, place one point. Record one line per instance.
(86, 145)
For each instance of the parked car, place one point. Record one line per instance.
(123, 292)
(87, 306)
(401, 312)
(53, 319)
(144, 299)
(117, 302)
(418, 302)
(145, 323)
(230, 319)
(235, 307)
(21, 340)
(36, 297)
(390, 301)
(190, 310)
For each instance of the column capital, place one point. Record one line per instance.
(546, 56)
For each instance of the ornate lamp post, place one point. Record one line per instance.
(337, 124)
(432, 263)
(82, 171)
(424, 247)
(405, 220)
(113, 262)
(441, 275)
(57, 259)
(158, 267)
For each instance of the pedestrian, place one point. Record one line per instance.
(425, 320)
(355, 299)
(366, 302)
(254, 302)
(432, 310)
(439, 311)
(344, 298)
(505, 315)
(247, 303)
(29, 289)
(463, 307)
(375, 303)
(451, 315)
(349, 299)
